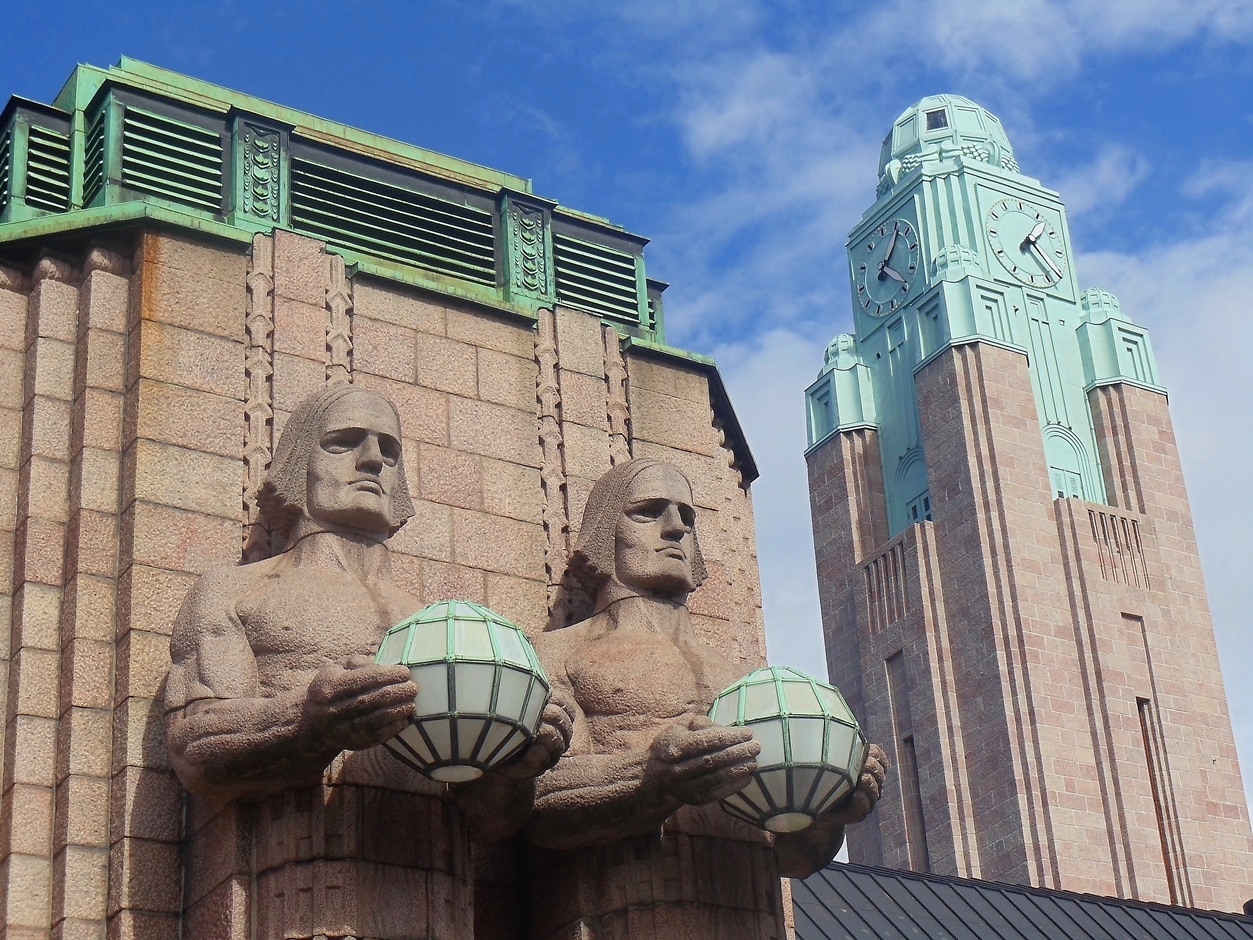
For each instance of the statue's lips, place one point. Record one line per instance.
(671, 551)
(369, 486)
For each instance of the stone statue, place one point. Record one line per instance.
(629, 816)
(273, 697)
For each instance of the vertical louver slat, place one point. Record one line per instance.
(172, 159)
(47, 169)
(5, 161)
(596, 278)
(367, 215)
(93, 160)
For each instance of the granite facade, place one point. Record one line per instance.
(143, 386)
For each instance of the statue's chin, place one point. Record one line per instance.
(673, 590)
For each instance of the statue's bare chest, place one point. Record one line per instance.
(308, 617)
(629, 673)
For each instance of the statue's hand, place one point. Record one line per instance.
(359, 704)
(696, 761)
(551, 740)
(869, 787)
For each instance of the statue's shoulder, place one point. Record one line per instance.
(555, 646)
(221, 587)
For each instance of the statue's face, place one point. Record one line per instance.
(655, 542)
(354, 470)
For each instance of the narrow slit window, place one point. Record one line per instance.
(907, 760)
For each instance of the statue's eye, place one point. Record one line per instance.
(646, 510)
(342, 440)
(390, 448)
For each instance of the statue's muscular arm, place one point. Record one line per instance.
(227, 739)
(592, 798)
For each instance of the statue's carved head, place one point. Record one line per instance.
(339, 463)
(639, 534)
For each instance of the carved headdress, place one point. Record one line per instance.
(283, 496)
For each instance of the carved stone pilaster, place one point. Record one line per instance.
(528, 247)
(259, 405)
(338, 324)
(616, 407)
(552, 473)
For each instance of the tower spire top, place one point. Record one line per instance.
(941, 127)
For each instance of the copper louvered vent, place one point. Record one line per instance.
(595, 278)
(93, 160)
(172, 159)
(357, 212)
(47, 169)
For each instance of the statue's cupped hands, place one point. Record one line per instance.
(556, 727)
(359, 704)
(696, 761)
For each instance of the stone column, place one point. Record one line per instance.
(33, 737)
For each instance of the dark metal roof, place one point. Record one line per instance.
(858, 902)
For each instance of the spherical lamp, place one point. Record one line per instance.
(812, 750)
(480, 689)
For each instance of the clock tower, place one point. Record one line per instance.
(1011, 593)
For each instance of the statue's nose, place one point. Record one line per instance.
(672, 524)
(370, 455)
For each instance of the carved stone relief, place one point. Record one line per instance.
(259, 404)
(617, 409)
(261, 171)
(528, 254)
(339, 324)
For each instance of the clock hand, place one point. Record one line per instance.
(1034, 235)
(1047, 260)
(892, 244)
(884, 269)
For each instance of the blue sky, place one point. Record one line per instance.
(742, 137)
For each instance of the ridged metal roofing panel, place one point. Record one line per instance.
(825, 915)
(856, 901)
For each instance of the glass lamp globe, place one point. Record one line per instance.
(812, 749)
(481, 689)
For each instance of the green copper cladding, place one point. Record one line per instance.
(960, 247)
(138, 141)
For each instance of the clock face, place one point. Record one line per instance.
(1024, 239)
(885, 266)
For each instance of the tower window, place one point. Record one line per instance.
(937, 120)
(918, 509)
(907, 762)
(1066, 483)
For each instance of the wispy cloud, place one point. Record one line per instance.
(1104, 183)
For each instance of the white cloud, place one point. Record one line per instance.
(766, 379)
(1042, 40)
(1105, 182)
